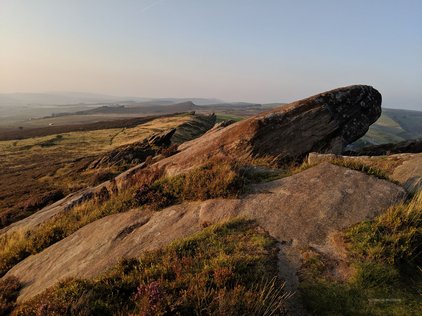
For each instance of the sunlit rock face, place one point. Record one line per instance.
(326, 123)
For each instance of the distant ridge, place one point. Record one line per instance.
(69, 98)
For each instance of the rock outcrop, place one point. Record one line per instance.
(301, 210)
(326, 122)
(135, 153)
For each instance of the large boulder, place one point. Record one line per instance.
(326, 122)
(299, 211)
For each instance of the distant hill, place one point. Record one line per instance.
(20, 109)
(34, 99)
(163, 106)
(72, 98)
(144, 108)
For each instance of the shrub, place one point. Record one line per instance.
(9, 291)
(228, 269)
(146, 176)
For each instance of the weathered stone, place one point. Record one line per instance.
(326, 122)
(161, 139)
(221, 125)
(299, 211)
(135, 153)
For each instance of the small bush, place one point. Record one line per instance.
(9, 291)
(146, 176)
(229, 269)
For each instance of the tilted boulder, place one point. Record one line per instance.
(326, 122)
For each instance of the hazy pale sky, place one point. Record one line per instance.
(244, 50)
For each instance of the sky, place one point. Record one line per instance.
(235, 50)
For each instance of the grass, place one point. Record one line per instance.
(259, 174)
(16, 246)
(218, 178)
(30, 168)
(149, 189)
(227, 269)
(385, 260)
(215, 179)
(348, 163)
(395, 237)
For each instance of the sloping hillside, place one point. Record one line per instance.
(392, 127)
(38, 171)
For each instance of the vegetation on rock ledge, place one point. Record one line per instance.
(227, 269)
(214, 179)
(385, 262)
